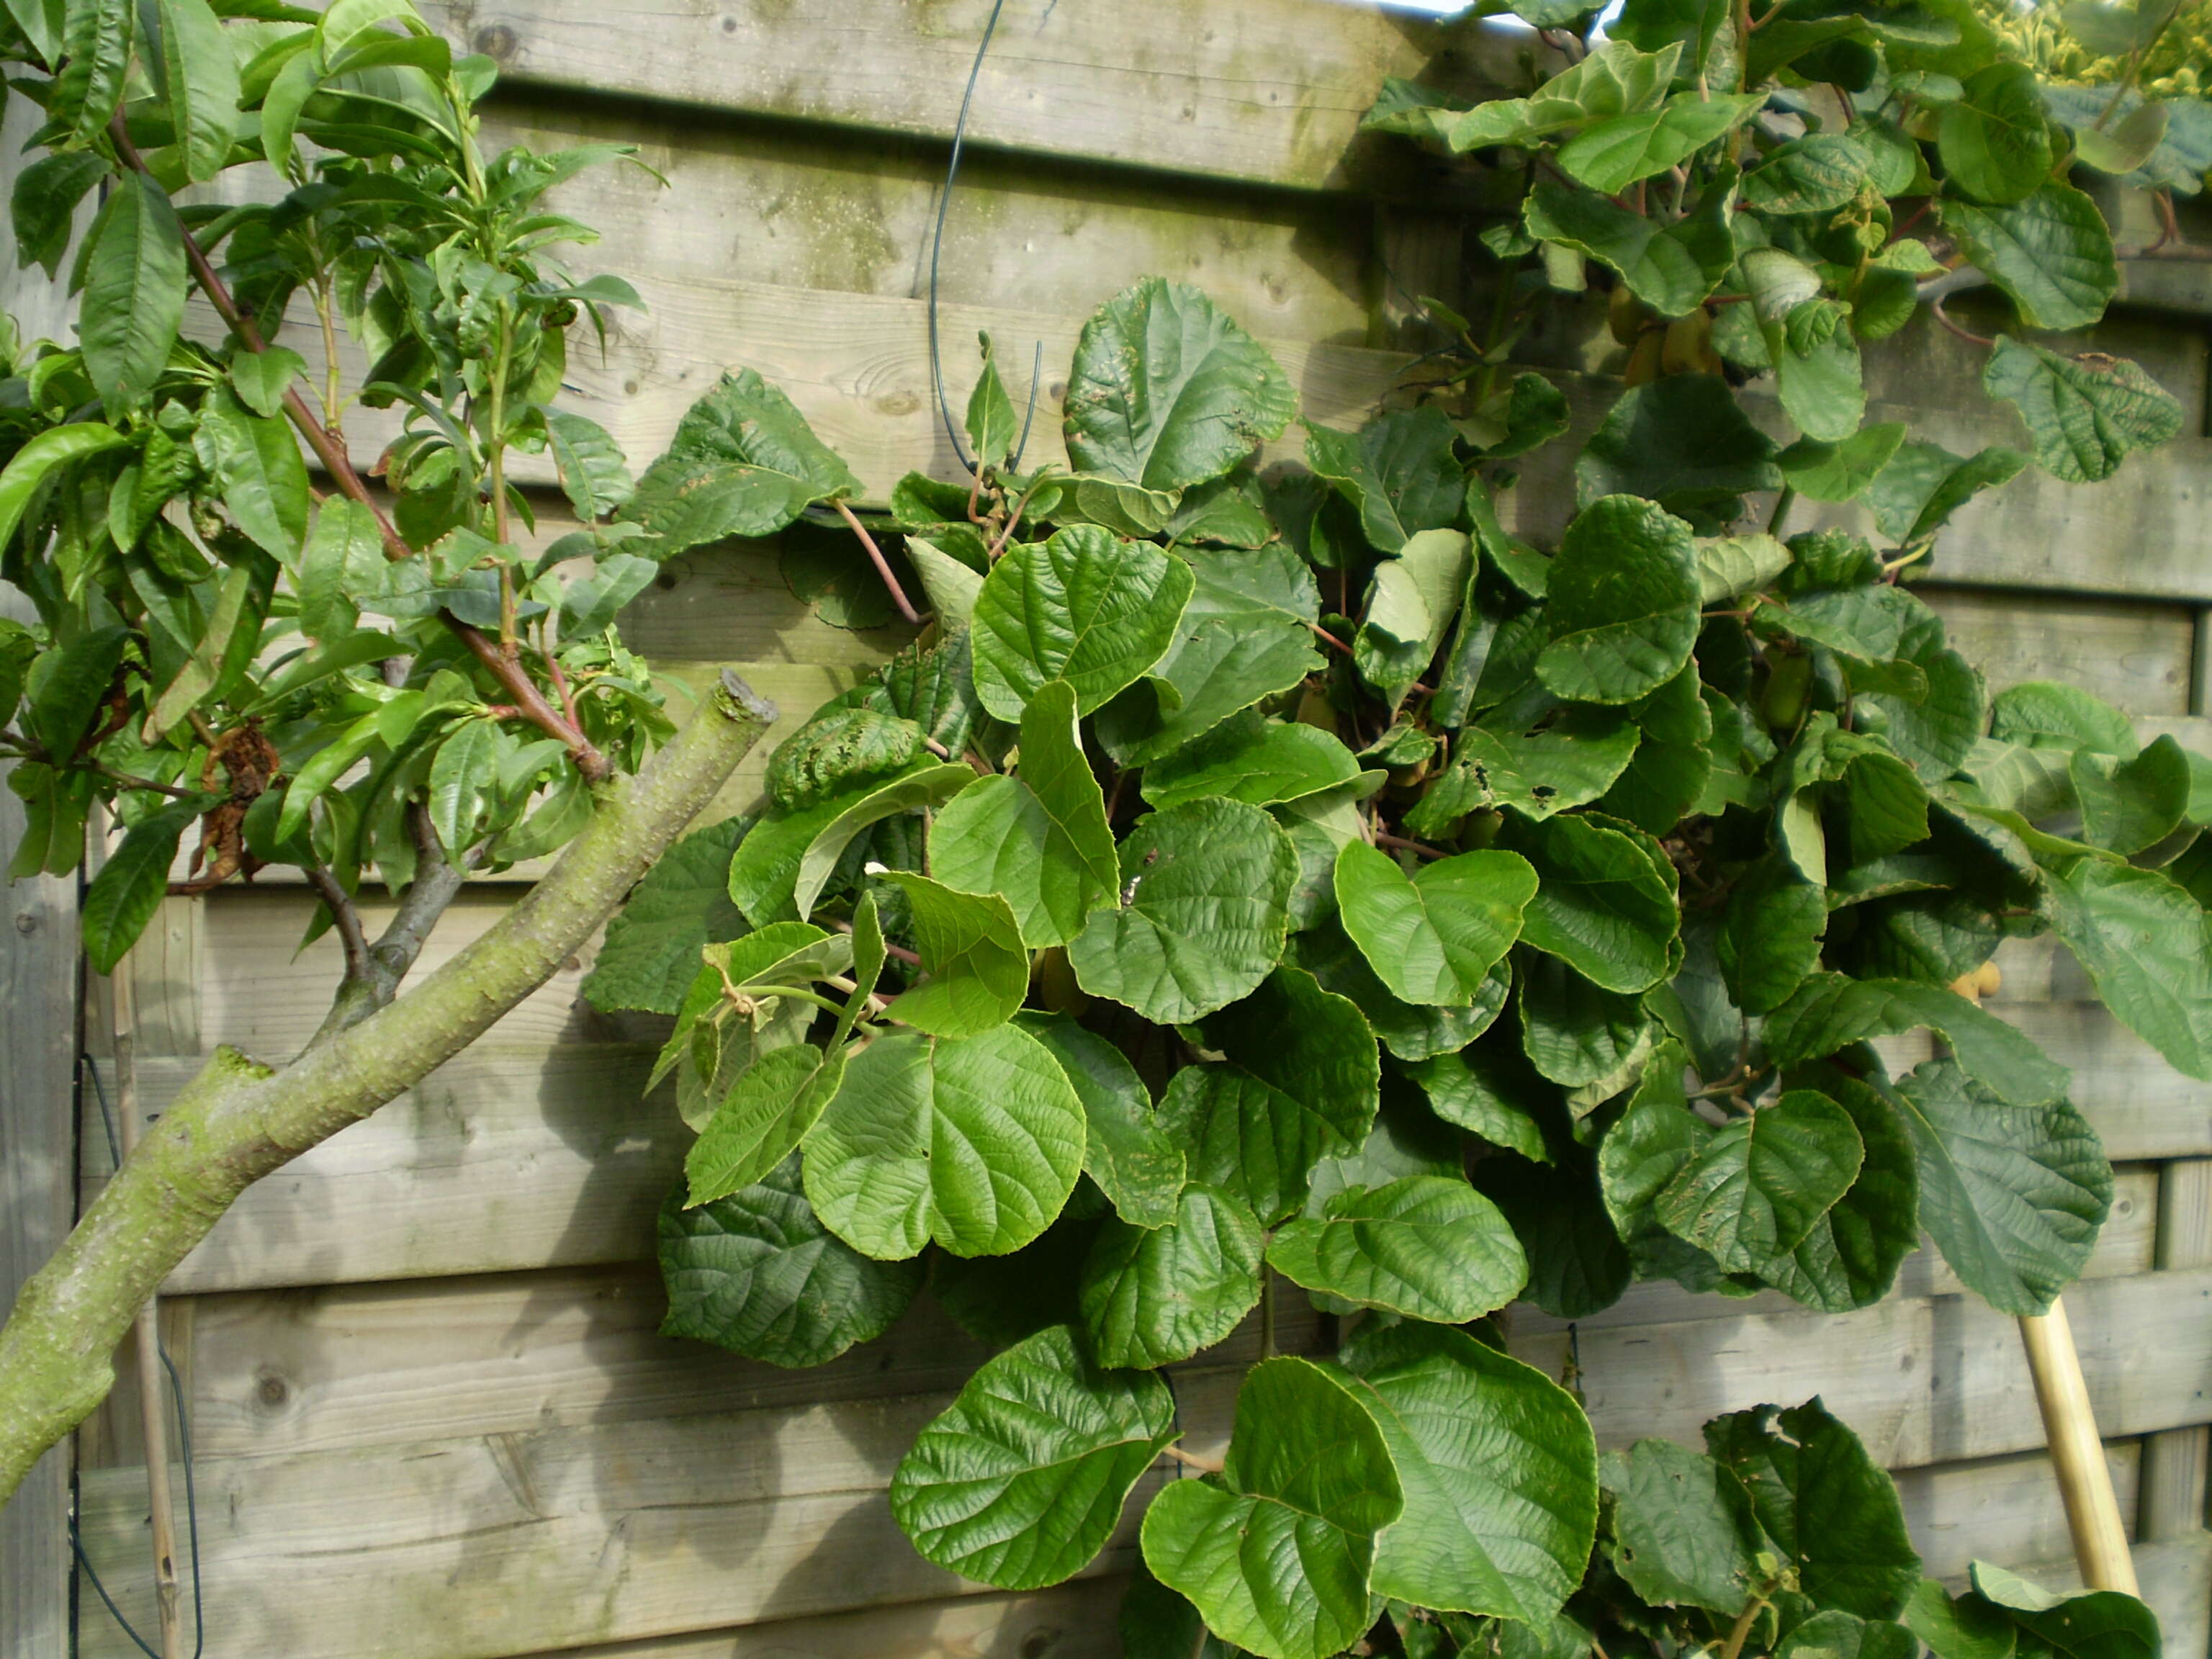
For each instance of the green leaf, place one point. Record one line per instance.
(1820, 173)
(1167, 391)
(975, 1142)
(594, 475)
(2148, 948)
(1433, 937)
(1915, 495)
(233, 628)
(96, 42)
(1828, 1507)
(261, 378)
(761, 1122)
(1935, 734)
(2130, 804)
(651, 952)
(2050, 252)
(1995, 142)
(1401, 471)
(44, 201)
(1674, 269)
(1729, 567)
(1020, 1481)
(1757, 1187)
(1205, 895)
(837, 749)
(992, 429)
(1277, 1554)
(1410, 1031)
(31, 465)
(134, 292)
(127, 892)
(950, 585)
(2084, 414)
(1151, 1296)
(1682, 442)
(1571, 761)
(256, 462)
(1849, 1258)
(842, 817)
(1427, 1247)
(976, 971)
(1245, 634)
(1580, 1035)
(1968, 1628)
(1624, 599)
(464, 778)
(1481, 1090)
(1258, 761)
(1084, 608)
(1041, 840)
(1610, 155)
(1411, 602)
(1830, 1012)
(199, 76)
(1684, 1535)
(1615, 79)
(743, 462)
(1604, 903)
(2012, 1194)
(1128, 1151)
(755, 1273)
(1499, 1468)
(1312, 1046)
(1770, 937)
(1814, 355)
(2098, 1625)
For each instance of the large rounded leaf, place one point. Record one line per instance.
(2085, 414)
(757, 1273)
(1605, 903)
(976, 972)
(1205, 894)
(1995, 141)
(975, 1142)
(1624, 602)
(1152, 1296)
(2013, 1195)
(1433, 936)
(743, 462)
(1427, 1247)
(1085, 607)
(1499, 1469)
(766, 1113)
(1756, 1188)
(1020, 1481)
(1167, 391)
(1039, 841)
(1132, 1155)
(2052, 252)
(1277, 1554)
(1259, 762)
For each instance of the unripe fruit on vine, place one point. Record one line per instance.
(1626, 315)
(1481, 829)
(1644, 358)
(1689, 346)
(1315, 710)
(1788, 682)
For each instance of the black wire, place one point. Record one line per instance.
(936, 244)
(184, 1439)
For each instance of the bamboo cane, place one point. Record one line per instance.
(146, 1332)
(2085, 1479)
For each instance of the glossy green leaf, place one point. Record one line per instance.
(1769, 936)
(1167, 392)
(1039, 841)
(1411, 1031)
(1084, 608)
(1923, 484)
(134, 292)
(2148, 948)
(199, 76)
(1849, 1258)
(805, 849)
(1615, 79)
(1570, 760)
(992, 428)
(756, 1274)
(1400, 472)
(975, 1142)
(1129, 1152)
(651, 951)
(1683, 443)
(1259, 762)
(1610, 155)
(1624, 601)
(1757, 1187)
(1499, 1468)
(1830, 1012)
(2012, 1194)
(1150, 1295)
(1604, 901)
(1580, 1035)
(1433, 936)
(256, 462)
(1019, 1482)
(594, 474)
(1411, 602)
(43, 203)
(743, 462)
(1685, 1534)
(128, 892)
(1967, 1628)
(974, 969)
(2084, 414)
(463, 781)
(2128, 805)
(1674, 269)
(1312, 1046)
(1206, 888)
(761, 1122)
(1277, 1554)
(1427, 1247)
(1844, 470)
(1484, 1090)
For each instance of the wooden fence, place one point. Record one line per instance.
(431, 1414)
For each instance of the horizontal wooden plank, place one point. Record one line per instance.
(1275, 95)
(494, 1545)
(2135, 657)
(1075, 1620)
(2005, 1509)
(1922, 1380)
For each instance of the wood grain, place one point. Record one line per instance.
(2172, 1503)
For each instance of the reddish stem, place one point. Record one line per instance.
(882, 565)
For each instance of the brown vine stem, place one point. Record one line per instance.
(1733, 1648)
(1329, 639)
(528, 700)
(882, 565)
(1962, 331)
(1420, 849)
(1191, 1460)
